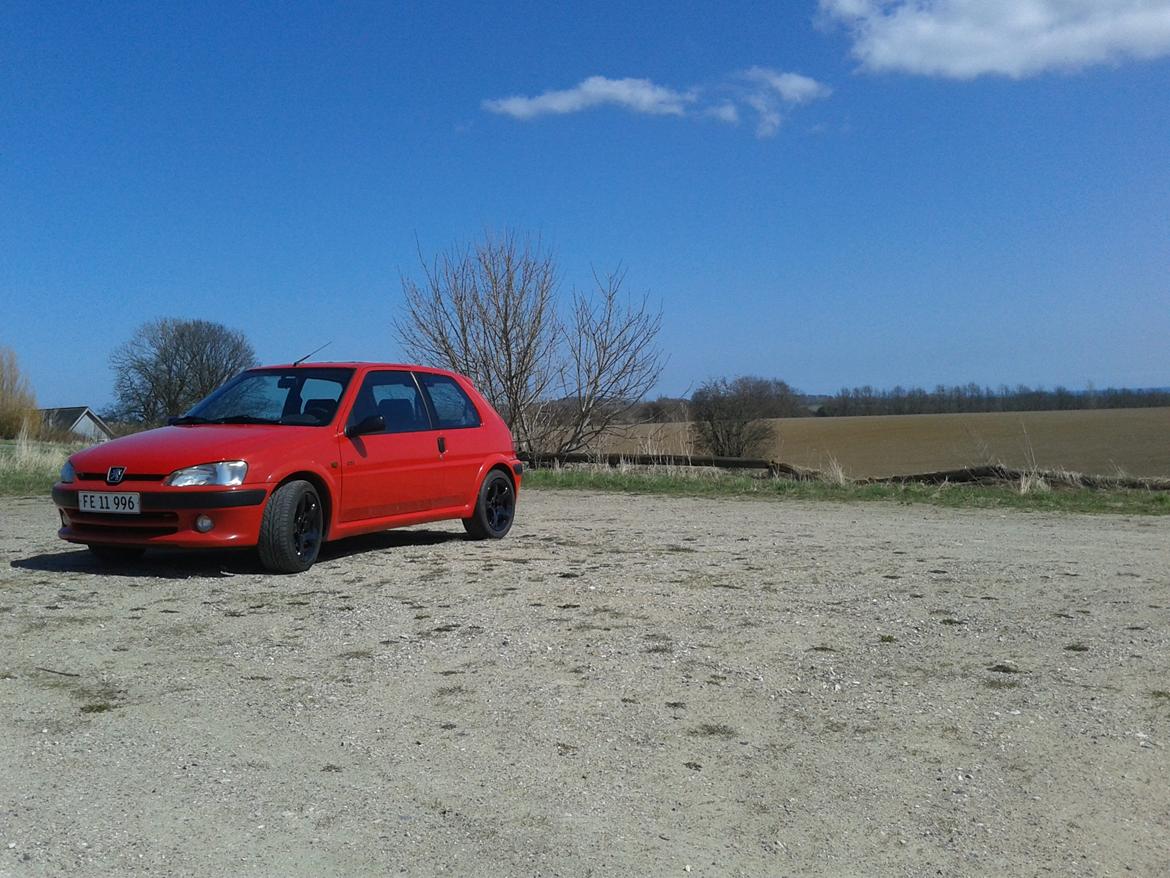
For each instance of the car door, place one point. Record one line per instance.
(460, 436)
(395, 472)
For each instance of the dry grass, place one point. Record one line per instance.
(834, 473)
(30, 467)
(674, 472)
(1033, 483)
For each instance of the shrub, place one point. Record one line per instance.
(18, 405)
(729, 416)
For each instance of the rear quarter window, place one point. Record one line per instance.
(453, 407)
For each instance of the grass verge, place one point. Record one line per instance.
(714, 483)
(30, 468)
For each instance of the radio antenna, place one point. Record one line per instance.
(306, 356)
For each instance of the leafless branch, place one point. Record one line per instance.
(612, 359)
(490, 312)
(169, 365)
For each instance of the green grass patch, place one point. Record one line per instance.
(705, 483)
(25, 484)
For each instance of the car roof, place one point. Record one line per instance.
(358, 364)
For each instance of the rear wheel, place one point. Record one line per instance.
(116, 554)
(291, 529)
(494, 510)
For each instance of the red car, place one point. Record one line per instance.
(284, 458)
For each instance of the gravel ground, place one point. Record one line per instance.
(623, 686)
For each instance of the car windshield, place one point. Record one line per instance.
(295, 397)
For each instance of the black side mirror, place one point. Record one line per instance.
(372, 424)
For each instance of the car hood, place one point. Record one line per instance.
(162, 451)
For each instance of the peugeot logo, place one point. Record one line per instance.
(114, 476)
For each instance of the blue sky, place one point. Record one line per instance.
(833, 192)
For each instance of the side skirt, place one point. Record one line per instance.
(342, 529)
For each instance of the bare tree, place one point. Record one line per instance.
(612, 360)
(168, 365)
(490, 312)
(487, 311)
(729, 416)
(18, 404)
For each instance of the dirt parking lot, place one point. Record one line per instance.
(624, 686)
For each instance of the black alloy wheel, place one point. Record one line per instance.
(495, 509)
(307, 526)
(292, 528)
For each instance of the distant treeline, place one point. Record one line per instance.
(973, 398)
(768, 398)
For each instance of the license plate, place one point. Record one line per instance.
(105, 501)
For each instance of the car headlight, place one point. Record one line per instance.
(67, 473)
(227, 473)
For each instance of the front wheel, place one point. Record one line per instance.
(494, 510)
(291, 529)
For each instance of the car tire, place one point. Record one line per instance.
(291, 529)
(116, 554)
(495, 508)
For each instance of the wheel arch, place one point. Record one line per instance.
(323, 491)
(496, 461)
(505, 469)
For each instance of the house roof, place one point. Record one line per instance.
(65, 418)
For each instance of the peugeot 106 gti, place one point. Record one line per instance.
(284, 458)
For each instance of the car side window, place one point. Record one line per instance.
(319, 398)
(396, 397)
(453, 408)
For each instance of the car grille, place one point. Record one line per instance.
(146, 524)
(128, 477)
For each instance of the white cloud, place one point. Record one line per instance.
(761, 91)
(963, 39)
(791, 87)
(768, 92)
(768, 118)
(724, 112)
(638, 95)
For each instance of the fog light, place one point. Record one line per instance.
(64, 518)
(204, 523)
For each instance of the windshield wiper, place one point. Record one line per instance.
(243, 419)
(188, 419)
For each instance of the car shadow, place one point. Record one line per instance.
(388, 539)
(219, 563)
(155, 564)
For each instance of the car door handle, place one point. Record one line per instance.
(442, 445)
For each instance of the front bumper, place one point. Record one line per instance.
(167, 518)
